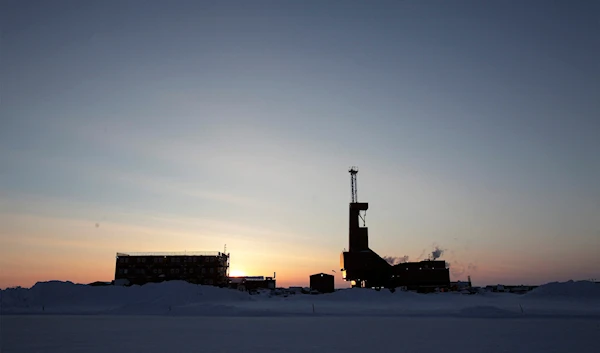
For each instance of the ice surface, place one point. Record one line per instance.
(181, 317)
(149, 334)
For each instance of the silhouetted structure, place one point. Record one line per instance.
(365, 268)
(200, 268)
(251, 283)
(322, 282)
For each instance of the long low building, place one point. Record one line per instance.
(210, 268)
(251, 283)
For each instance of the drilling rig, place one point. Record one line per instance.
(364, 268)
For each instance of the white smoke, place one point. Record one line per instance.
(394, 260)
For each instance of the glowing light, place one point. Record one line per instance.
(236, 273)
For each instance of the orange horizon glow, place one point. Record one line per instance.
(38, 248)
(237, 273)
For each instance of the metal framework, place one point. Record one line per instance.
(354, 192)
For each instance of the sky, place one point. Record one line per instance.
(191, 125)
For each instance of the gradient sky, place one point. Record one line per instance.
(187, 125)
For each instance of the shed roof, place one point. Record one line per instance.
(321, 275)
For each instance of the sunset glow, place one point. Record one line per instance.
(213, 127)
(236, 273)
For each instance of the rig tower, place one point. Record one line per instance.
(353, 171)
(363, 267)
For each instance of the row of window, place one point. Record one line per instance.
(142, 271)
(125, 259)
(180, 267)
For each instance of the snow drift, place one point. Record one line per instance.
(67, 297)
(185, 299)
(581, 290)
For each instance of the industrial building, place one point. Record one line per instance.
(196, 267)
(365, 268)
(251, 283)
(322, 282)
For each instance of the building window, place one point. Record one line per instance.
(191, 270)
(120, 271)
(212, 270)
(125, 271)
(203, 270)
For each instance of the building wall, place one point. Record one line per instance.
(199, 269)
(252, 283)
(322, 282)
(414, 275)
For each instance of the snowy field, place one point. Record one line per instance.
(294, 334)
(180, 317)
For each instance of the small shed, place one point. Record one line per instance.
(322, 282)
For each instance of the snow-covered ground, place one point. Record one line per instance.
(177, 316)
(151, 334)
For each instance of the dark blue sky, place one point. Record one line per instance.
(474, 120)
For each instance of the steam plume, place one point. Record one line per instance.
(394, 260)
(437, 253)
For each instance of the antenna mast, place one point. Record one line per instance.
(353, 171)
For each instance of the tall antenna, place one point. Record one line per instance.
(353, 171)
